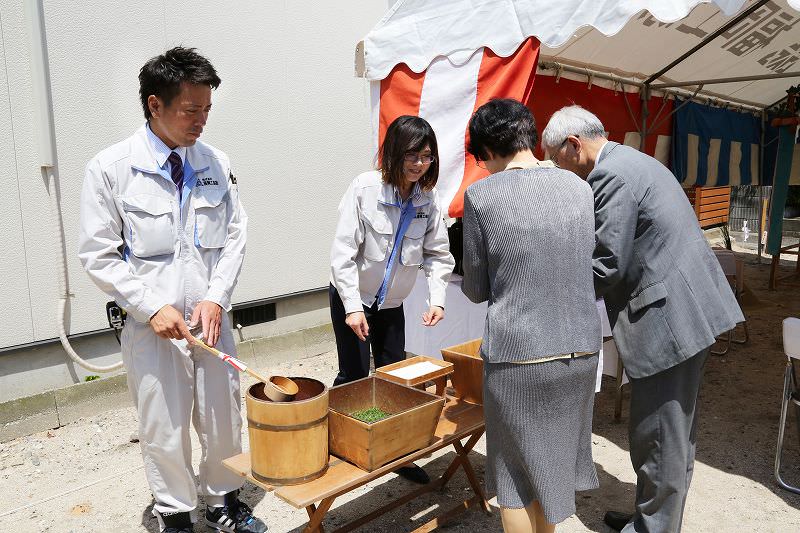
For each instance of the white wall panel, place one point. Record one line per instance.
(289, 113)
(16, 325)
(38, 226)
(95, 51)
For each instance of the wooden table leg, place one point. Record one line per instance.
(316, 514)
(441, 383)
(797, 265)
(440, 520)
(773, 278)
(472, 478)
(451, 470)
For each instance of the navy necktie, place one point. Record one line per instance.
(176, 170)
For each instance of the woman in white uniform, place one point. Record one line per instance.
(390, 226)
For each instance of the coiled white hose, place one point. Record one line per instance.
(64, 282)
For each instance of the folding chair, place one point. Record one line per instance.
(791, 346)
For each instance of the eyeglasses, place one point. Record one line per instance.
(554, 157)
(413, 158)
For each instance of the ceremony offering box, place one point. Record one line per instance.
(415, 370)
(410, 426)
(288, 440)
(467, 377)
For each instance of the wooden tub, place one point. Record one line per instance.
(288, 440)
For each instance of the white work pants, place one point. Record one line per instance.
(170, 387)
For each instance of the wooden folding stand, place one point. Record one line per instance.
(459, 420)
(792, 249)
(711, 206)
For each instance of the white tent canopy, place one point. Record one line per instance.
(630, 39)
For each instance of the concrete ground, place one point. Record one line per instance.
(87, 476)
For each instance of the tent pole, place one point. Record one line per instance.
(761, 184)
(630, 110)
(674, 110)
(682, 93)
(645, 96)
(756, 77)
(716, 33)
(656, 123)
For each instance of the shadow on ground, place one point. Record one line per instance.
(739, 404)
(417, 512)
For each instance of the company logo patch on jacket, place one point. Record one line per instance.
(421, 214)
(204, 182)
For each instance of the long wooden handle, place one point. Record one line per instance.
(256, 375)
(227, 358)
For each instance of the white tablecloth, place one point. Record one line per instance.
(464, 321)
(727, 260)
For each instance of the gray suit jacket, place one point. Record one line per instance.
(665, 292)
(528, 242)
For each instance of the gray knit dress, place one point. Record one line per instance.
(528, 244)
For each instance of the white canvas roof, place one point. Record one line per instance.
(630, 39)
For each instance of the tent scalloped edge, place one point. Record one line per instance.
(459, 56)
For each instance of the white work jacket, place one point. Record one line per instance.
(144, 247)
(369, 216)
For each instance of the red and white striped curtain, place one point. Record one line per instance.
(446, 95)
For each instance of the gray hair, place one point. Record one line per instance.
(571, 120)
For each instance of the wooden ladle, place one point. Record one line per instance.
(276, 388)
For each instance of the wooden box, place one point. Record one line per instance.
(467, 377)
(711, 204)
(413, 419)
(389, 372)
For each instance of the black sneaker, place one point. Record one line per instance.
(234, 517)
(414, 474)
(177, 523)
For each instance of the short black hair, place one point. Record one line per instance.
(504, 126)
(162, 75)
(408, 134)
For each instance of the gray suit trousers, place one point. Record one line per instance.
(662, 435)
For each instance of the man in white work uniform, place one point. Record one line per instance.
(163, 233)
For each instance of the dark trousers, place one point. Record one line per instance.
(662, 432)
(387, 337)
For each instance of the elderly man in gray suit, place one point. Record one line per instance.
(667, 300)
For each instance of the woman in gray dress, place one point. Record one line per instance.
(528, 243)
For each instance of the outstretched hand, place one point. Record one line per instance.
(432, 316)
(358, 323)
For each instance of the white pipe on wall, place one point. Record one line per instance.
(34, 14)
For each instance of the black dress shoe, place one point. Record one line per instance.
(617, 520)
(413, 473)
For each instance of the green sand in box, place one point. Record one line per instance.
(370, 415)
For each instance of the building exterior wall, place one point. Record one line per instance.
(289, 113)
(302, 323)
